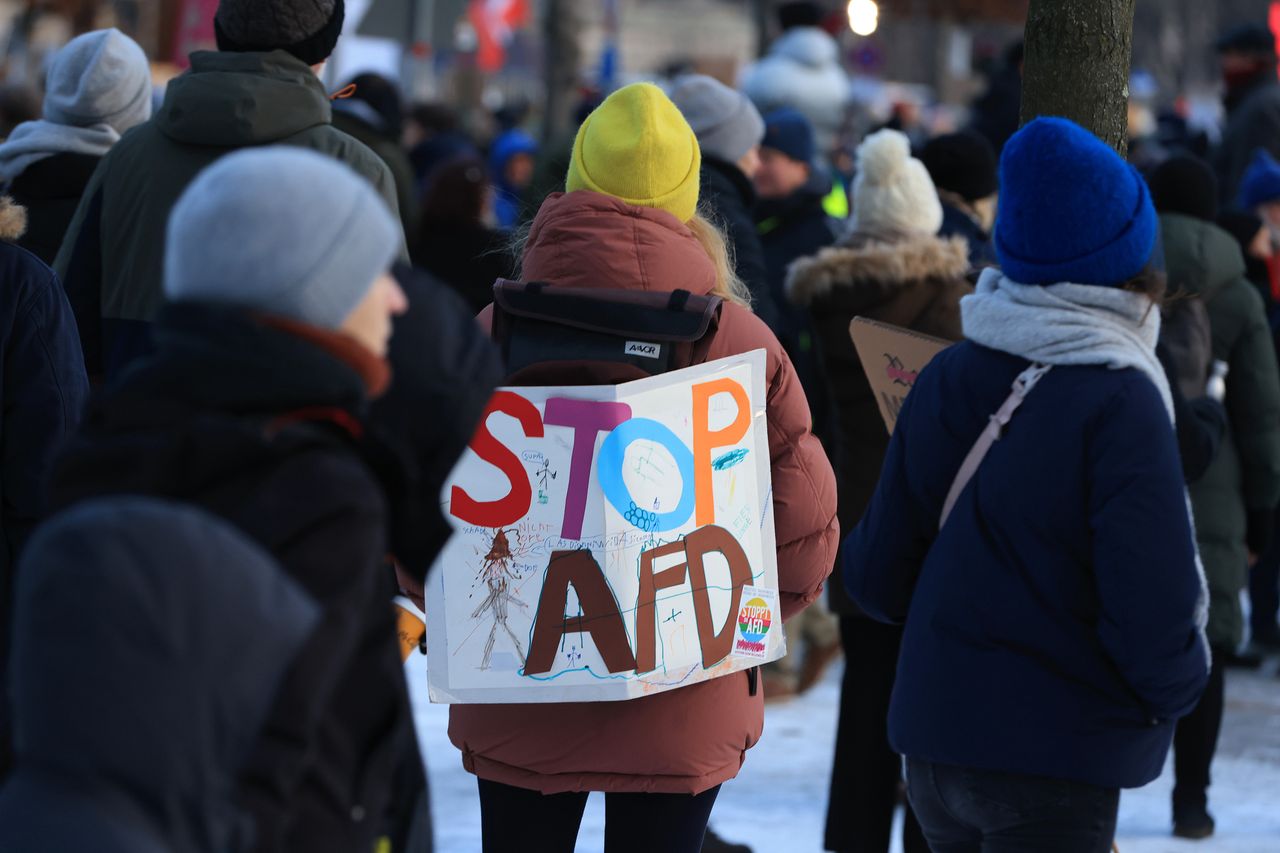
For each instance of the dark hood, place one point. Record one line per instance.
(862, 277)
(232, 100)
(1200, 258)
(149, 642)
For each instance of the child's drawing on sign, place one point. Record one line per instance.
(648, 469)
(898, 374)
(545, 475)
(496, 571)
(641, 519)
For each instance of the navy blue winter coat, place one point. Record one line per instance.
(43, 389)
(1049, 625)
(43, 386)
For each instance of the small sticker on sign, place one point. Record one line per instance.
(757, 617)
(643, 349)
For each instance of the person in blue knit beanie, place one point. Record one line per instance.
(1260, 191)
(1048, 582)
(1070, 209)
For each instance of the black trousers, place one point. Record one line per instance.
(1264, 591)
(867, 773)
(1196, 741)
(516, 820)
(964, 810)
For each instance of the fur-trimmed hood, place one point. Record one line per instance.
(13, 220)
(873, 270)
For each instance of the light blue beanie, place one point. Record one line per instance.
(280, 230)
(99, 78)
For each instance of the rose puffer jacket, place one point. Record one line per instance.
(688, 740)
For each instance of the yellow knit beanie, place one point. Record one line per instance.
(637, 147)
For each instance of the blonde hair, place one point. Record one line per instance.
(728, 286)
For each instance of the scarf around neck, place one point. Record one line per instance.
(33, 141)
(1067, 325)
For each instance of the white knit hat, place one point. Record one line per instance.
(893, 194)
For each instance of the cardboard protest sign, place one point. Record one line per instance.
(892, 359)
(610, 541)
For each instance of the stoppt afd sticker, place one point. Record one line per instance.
(757, 618)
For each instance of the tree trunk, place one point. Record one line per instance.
(562, 25)
(1077, 65)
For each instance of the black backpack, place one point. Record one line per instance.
(587, 336)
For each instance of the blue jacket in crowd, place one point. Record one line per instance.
(1049, 625)
(43, 389)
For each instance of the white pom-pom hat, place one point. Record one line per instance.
(893, 195)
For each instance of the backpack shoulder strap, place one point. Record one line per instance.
(1022, 386)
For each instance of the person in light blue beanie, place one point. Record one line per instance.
(97, 89)
(1071, 210)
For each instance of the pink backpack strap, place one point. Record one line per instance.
(1022, 386)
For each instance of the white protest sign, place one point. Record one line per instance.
(610, 541)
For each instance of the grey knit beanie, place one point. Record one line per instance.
(101, 77)
(280, 230)
(308, 29)
(726, 123)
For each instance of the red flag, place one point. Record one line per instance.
(495, 23)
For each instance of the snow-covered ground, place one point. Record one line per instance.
(778, 803)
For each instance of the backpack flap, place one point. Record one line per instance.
(579, 336)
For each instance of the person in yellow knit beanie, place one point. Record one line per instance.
(638, 148)
(629, 221)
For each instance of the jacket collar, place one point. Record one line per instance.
(804, 202)
(862, 262)
(221, 358)
(713, 166)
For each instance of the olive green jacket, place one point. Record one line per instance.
(1204, 261)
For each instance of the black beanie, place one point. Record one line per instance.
(1185, 184)
(307, 29)
(1249, 39)
(963, 163)
(800, 14)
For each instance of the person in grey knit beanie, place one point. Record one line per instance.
(308, 29)
(98, 86)
(285, 232)
(727, 124)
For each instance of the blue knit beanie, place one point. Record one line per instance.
(1261, 181)
(788, 131)
(1071, 210)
